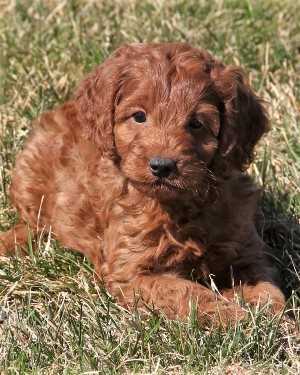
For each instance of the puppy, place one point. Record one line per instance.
(143, 172)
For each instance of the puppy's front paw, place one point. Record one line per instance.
(263, 293)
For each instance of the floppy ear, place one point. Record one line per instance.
(243, 117)
(96, 99)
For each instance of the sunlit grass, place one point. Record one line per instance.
(55, 317)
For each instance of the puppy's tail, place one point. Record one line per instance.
(15, 238)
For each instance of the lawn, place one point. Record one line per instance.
(54, 317)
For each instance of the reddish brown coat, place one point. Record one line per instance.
(84, 173)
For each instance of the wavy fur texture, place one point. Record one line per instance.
(84, 174)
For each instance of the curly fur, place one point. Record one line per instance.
(84, 174)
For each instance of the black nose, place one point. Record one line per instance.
(162, 167)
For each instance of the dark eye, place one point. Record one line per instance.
(139, 116)
(195, 124)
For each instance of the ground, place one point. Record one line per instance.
(54, 317)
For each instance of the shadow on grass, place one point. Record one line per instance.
(280, 229)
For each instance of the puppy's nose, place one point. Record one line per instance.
(162, 167)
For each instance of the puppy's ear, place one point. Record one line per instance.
(96, 99)
(243, 117)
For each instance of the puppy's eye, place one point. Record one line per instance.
(195, 124)
(139, 116)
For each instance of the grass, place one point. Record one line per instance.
(55, 317)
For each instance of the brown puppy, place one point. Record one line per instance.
(143, 173)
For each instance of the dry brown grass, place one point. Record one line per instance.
(57, 319)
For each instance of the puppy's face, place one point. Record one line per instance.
(167, 124)
(172, 115)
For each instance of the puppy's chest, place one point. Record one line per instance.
(193, 242)
(189, 239)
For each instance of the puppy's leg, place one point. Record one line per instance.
(15, 237)
(259, 294)
(175, 296)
